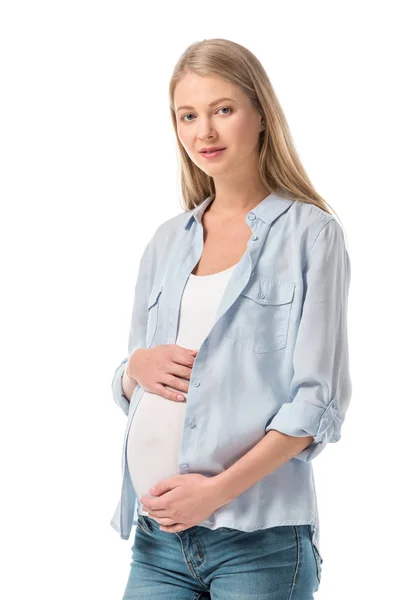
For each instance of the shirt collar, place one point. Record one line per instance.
(267, 210)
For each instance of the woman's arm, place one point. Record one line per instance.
(128, 385)
(321, 388)
(122, 385)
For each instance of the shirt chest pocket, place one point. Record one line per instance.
(153, 310)
(260, 316)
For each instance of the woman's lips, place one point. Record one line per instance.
(212, 154)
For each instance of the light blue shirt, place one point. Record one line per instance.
(280, 345)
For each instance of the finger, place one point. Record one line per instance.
(165, 521)
(181, 371)
(176, 383)
(187, 350)
(164, 392)
(184, 358)
(160, 513)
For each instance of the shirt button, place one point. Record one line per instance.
(206, 341)
(251, 216)
(185, 467)
(261, 295)
(335, 405)
(254, 237)
(191, 423)
(196, 383)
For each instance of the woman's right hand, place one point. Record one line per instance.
(161, 366)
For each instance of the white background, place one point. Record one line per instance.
(88, 171)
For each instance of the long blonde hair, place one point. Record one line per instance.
(279, 165)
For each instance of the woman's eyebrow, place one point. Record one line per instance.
(211, 103)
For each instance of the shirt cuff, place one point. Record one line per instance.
(301, 419)
(116, 386)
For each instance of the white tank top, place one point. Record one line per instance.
(155, 433)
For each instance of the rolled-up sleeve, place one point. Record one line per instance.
(321, 388)
(137, 332)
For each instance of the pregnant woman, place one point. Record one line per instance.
(237, 373)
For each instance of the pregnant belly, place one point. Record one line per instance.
(154, 441)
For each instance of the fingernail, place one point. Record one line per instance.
(180, 397)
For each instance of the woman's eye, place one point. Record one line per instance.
(189, 114)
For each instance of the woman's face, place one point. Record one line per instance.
(232, 124)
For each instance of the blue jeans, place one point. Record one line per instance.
(279, 563)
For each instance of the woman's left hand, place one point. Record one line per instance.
(182, 501)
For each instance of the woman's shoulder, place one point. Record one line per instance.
(167, 231)
(309, 220)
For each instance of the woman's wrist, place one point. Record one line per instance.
(130, 366)
(128, 384)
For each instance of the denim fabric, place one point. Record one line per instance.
(276, 357)
(279, 563)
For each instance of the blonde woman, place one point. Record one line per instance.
(237, 373)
